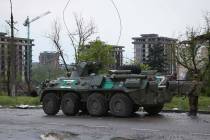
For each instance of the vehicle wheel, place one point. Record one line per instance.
(70, 104)
(153, 110)
(97, 105)
(51, 104)
(121, 105)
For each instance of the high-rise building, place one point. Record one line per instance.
(23, 59)
(49, 58)
(142, 50)
(118, 56)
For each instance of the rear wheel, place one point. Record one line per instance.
(70, 104)
(97, 105)
(121, 105)
(154, 109)
(51, 104)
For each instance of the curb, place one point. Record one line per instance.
(40, 107)
(182, 111)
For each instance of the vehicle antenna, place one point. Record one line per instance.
(65, 64)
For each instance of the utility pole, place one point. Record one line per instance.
(12, 59)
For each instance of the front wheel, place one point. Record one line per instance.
(153, 109)
(51, 104)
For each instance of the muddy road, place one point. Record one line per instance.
(33, 124)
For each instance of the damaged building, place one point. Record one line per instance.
(23, 63)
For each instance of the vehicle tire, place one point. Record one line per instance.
(134, 68)
(51, 104)
(97, 105)
(121, 105)
(70, 104)
(154, 109)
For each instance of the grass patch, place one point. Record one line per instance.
(13, 101)
(182, 103)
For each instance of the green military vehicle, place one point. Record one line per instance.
(121, 92)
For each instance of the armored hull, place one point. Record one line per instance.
(121, 92)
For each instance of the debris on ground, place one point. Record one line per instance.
(51, 136)
(58, 135)
(27, 106)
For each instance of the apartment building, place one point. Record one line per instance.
(142, 49)
(49, 58)
(23, 58)
(118, 56)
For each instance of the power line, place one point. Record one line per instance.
(64, 21)
(118, 14)
(120, 20)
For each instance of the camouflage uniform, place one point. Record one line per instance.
(193, 98)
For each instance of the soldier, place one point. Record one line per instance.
(193, 97)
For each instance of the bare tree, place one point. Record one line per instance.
(78, 38)
(207, 22)
(54, 36)
(204, 39)
(81, 35)
(188, 55)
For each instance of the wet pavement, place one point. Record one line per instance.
(33, 124)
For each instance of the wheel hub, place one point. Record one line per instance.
(118, 106)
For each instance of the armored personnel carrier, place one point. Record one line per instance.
(121, 92)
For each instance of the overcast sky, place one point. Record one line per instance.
(164, 17)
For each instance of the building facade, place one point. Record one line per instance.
(49, 58)
(118, 56)
(23, 57)
(142, 49)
